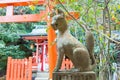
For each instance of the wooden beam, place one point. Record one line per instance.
(34, 37)
(4, 3)
(24, 18)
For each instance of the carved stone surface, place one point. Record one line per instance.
(81, 56)
(90, 75)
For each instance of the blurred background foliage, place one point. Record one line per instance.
(10, 42)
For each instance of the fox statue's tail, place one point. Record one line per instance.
(90, 47)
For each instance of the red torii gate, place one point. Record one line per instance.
(10, 17)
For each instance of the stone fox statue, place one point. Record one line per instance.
(81, 57)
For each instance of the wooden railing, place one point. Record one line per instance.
(19, 69)
(66, 64)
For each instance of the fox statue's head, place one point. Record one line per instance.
(58, 21)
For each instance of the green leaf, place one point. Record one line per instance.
(2, 44)
(101, 39)
(118, 6)
(103, 60)
(101, 27)
(32, 7)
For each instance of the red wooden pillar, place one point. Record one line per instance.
(42, 55)
(52, 53)
(37, 52)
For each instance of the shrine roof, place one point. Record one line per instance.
(25, 35)
(40, 30)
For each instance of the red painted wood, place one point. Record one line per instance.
(30, 68)
(19, 69)
(35, 37)
(66, 64)
(8, 68)
(4, 3)
(23, 18)
(37, 52)
(51, 50)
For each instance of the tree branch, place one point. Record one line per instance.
(106, 36)
(83, 26)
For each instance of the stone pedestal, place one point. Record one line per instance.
(90, 75)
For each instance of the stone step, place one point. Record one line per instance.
(42, 76)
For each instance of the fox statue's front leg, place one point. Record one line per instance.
(59, 61)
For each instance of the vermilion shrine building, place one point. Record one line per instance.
(40, 56)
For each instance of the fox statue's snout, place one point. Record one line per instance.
(54, 24)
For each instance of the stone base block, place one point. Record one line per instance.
(90, 75)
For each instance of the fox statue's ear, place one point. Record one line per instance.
(52, 13)
(59, 11)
